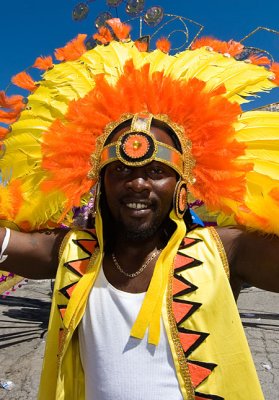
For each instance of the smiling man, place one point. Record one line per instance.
(144, 298)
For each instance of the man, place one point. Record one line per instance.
(142, 308)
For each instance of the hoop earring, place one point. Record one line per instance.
(180, 199)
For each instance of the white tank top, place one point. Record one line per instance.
(117, 366)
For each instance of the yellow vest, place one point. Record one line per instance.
(208, 344)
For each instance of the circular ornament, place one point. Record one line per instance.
(180, 199)
(134, 7)
(90, 43)
(154, 16)
(136, 149)
(114, 3)
(102, 18)
(80, 12)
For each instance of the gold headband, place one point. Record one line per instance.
(137, 146)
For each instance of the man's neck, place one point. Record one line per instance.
(131, 256)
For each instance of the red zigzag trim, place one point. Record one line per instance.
(182, 310)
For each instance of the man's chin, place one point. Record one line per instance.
(140, 233)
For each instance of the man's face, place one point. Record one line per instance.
(140, 198)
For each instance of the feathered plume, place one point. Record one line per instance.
(120, 29)
(10, 200)
(14, 102)
(141, 46)
(164, 45)
(103, 36)
(231, 47)
(25, 81)
(275, 69)
(73, 50)
(43, 63)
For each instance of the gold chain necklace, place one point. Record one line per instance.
(139, 271)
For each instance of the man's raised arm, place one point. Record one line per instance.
(32, 255)
(253, 258)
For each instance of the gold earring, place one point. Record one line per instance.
(96, 192)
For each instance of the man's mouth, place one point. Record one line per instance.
(137, 206)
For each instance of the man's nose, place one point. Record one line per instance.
(139, 180)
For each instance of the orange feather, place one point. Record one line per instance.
(164, 45)
(121, 30)
(274, 193)
(10, 200)
(9, 117)
(103, 36)
(25, 81)
(43, 63)
(275, 69)
(259, 60)
(3, 133)
(141, 46)
(231, 47)
(73, 50)
(11, 102)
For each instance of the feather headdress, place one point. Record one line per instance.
(49, 145)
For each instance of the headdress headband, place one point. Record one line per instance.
(137, 147)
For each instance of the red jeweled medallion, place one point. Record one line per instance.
(136, 148)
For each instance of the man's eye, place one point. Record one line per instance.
(122, 168)
(157, 171)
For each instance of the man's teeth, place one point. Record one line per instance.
(137, 206)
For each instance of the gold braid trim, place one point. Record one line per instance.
(182, 362)
(220, 249)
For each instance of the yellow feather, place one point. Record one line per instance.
(258, 130)
(240, 78)
(159, 61)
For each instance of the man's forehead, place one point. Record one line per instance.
(152, 163)
(160, 134)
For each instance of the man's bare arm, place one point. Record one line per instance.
(33, 255)
(253, 257)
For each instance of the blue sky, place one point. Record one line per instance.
(31, 28)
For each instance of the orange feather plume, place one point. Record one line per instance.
(73, 50)
(43, 63)
(10, 200)
(141, 46)
(9, 117)
(25, 81)
(103, 36)
(11, 102)
(275, 69)
(207, 117)
(274, 193)
(3, 133)
(13, 106)
(259, 60)
(164, 45)
(121, 30)
(231, 47)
